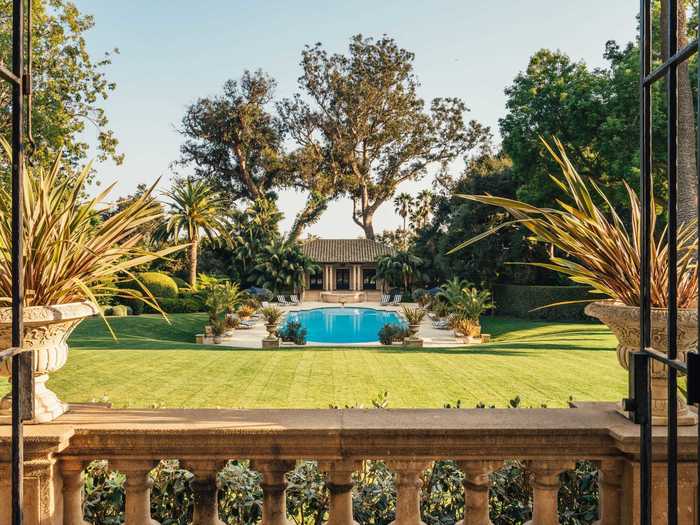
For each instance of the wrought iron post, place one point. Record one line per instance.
(22, 388)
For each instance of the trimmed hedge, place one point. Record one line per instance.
(520, 301)
(185, 305)
(159, 284)
(181, 283)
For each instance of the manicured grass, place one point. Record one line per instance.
(156, 364)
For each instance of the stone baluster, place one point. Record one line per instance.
(476, 490)
(206, 490)
(274, 488)
(137, 510)
(340, 486)
(72, 473)
(610, 489)
(545, 490)
(408, 485)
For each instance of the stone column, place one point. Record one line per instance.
(72, 470)
(274, 487)
(545, 490)
(206, 490)
(340, 486)
(408, 485)
(137, 510)
(476, 490)
(610, 489)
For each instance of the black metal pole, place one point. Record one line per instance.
(18, 375)
(645, 292)
(672, 235)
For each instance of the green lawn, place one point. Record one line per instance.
(156, 364)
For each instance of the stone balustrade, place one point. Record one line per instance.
(548, 441)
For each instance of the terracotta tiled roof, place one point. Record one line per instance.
(345, 250)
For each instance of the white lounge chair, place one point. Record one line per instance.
(265, 304)
(246, 325)
(441, 324)
(397, 300)
(282, 300)
(294, 299)
(385, 299)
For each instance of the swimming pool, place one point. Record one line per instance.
(344, 325)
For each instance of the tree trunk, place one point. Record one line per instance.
(193, 262)
(368, 226)
(687, 175)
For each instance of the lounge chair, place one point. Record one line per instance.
(294, 299)
(265, 304)
(246, 325)
(441, 324)
(282, 300)
(397, 300)
(385, 299)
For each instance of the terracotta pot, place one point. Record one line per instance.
(623, 321)
(218, 339)
(46, 332)
(413, 328)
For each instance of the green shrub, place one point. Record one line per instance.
(181, 283)
(159, 284)
(522, 300)
(106, 309)
(293, 332)
(392, 333)
(137, 306)
(180, 305)
(120, 311)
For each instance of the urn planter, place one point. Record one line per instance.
(623, 321)
(46, 332)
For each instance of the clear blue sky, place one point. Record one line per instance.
(173, 51)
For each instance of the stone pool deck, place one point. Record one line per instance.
(252, 338)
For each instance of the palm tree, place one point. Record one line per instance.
(195, 208)
(403, 205)
(422, 209)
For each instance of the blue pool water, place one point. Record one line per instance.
(344, 325)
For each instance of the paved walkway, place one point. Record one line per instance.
(252, 338)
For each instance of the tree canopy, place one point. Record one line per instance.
(69, 85)
(361, 123)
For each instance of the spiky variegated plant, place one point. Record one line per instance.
(600, 251)
(70, 253)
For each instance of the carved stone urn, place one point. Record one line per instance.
(623, 321)
(46, 332)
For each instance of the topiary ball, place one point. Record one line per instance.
(159, 284)
(120, 311)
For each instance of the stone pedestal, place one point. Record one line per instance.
(413, 342)
(271, 342)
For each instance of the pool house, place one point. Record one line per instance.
(348, 270)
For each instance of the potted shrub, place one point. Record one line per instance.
(246, 311)
(73, 258)
(218, 328)
(414, 316)
(466, 304)
(272, 316)
(603, 253)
